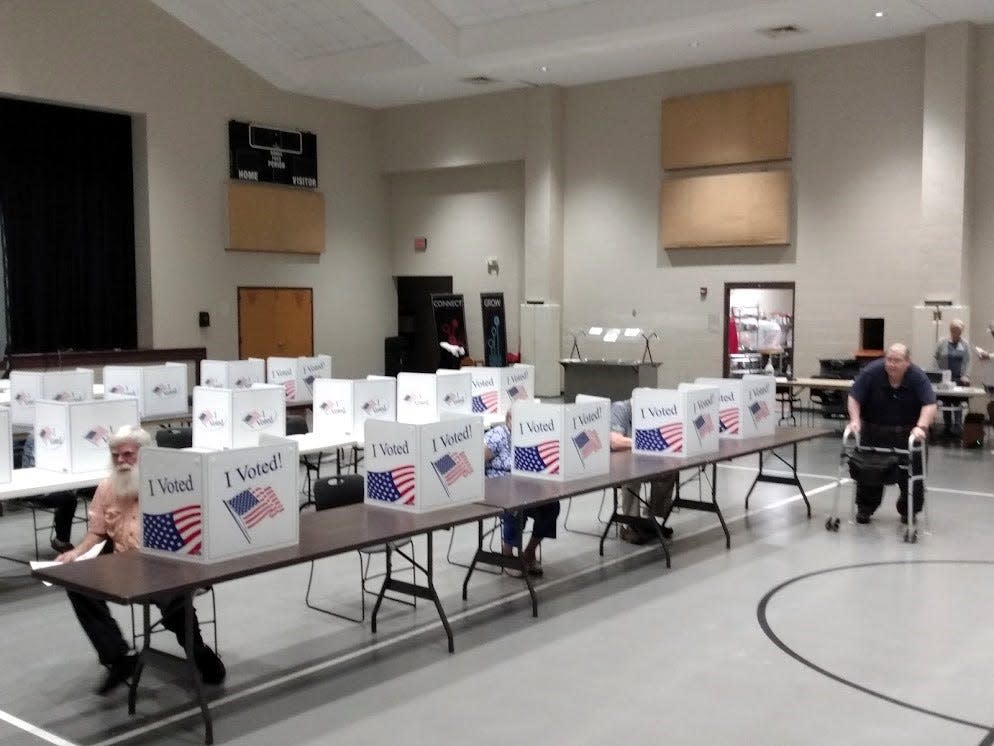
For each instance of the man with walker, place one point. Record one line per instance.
(890, 401)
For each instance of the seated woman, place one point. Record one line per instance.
(498, 457)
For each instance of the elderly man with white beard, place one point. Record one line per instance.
(114, 517)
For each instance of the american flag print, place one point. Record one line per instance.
(178, 531)
(704, 426)
(250, 507)
(728, 421)
(451, 468)
(759, 411)
(290, 388)
(393, 486)
(543, 457)
(666, 438)
(253, 418)
(98, 436)
(517, 392)
(486, 402)
(309, 381)
(587, 442)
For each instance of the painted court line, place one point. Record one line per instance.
(34, 730)
(414, 632)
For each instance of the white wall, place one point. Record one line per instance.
(981, 251)
(129, 56)
(467, 214)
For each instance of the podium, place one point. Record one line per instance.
(613, 379)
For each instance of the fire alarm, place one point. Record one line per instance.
(420, 244)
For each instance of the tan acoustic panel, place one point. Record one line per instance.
(745, 125)
(742, 209)
(267, 217)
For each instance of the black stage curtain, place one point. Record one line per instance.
(67, 205)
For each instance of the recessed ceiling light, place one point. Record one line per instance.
(879, 14)
(544, 68)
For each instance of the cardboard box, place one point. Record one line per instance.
(161, 390)
(341, 407)
(682, 422)
(297, 374)
(746, 406)
(232, 374)
(419, 467)
(423, 397)
(234, 418)
(561, 441)
(207, 507)
(72, 437)
(28, 386)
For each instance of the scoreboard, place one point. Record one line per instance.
(272, 155)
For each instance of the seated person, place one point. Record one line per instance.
(660, 491)
(498, 458)
(953, 354)
(114, 517)
(62, 504)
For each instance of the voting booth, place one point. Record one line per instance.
(419, 467)
(235, 418)
(206, 507)
(27, 387)
(73, 437)
(6, 446)
(675, 422)
(161, 390)
(746, 405)
(423, 397)
(561, 441)
(232, 374)
(495, 389)
(297, 374)
(341, 406)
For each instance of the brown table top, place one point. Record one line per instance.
(512, 492)
(133, 577)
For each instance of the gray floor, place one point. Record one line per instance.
(875, 641)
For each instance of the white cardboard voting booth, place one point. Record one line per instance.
(423, 397)
(297, 374)
(232, 374)
(561, 441)
(419, 467)
(6, 446)
(746, 405)
(27, 387)
(205, 507)
(341, 406)
(681, 422)
(161, 390)
(72, 437)
(517, 383)
(234, 418)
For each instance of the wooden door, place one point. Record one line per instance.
(275, 322)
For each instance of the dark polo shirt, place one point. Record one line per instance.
(882, 404)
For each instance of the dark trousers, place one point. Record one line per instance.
(98, 624)
(543, 517)
(869, 497)
(63, 507)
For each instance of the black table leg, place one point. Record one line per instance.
(499, 559)
(792, 480)
(191, 666)
(142, 657)
(705, 506)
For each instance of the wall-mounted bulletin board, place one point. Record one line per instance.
(270, 217)
(714, 133)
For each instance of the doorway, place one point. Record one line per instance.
(759, 328)
(275, 322)
(416, 321)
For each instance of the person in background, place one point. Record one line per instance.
(114, 518)
(62, 504)
(891, 400)
(985, 356)
(499, 458)
(660, 491)
(953, 354)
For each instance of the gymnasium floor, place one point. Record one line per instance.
(794, 636)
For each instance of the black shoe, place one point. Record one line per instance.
(666, 531)
(117, 673)
(212, 670)
(61, 546)
(632, 536)
(862, 517)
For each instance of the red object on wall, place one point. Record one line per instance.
(733, 336)
(420, 244)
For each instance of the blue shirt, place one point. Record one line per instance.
(498, 440)
(882, 404)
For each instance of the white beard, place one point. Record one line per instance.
(124, 481)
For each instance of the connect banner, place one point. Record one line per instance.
(450, 328)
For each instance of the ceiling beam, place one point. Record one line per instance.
(420, 25)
